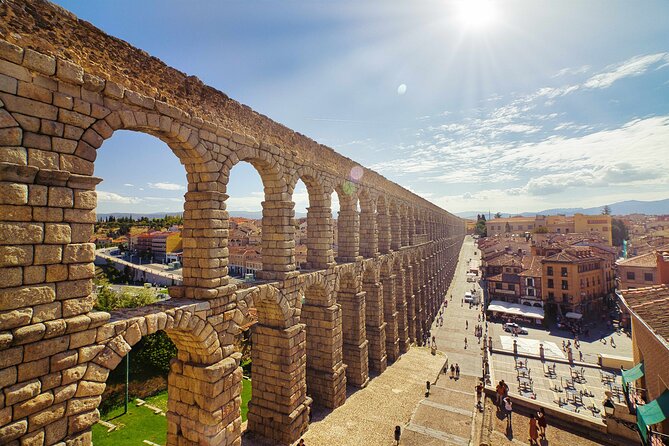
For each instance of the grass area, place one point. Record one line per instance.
(140, 423)
(246, 397)
(137, 425)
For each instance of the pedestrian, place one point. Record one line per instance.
(465, 343)
(457, 371)
(479, 392)
(541, 416)
(505, 386)
(508, 409)
(467, 325)
(580, 356)
(534, 433)
(499, 393)
(433, 341)
(564, 346)
(452, 371)
(301, 443)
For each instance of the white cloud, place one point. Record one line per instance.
(129, 185)
(572, 71)
(632, 67)
(166, 186)
(111, 197)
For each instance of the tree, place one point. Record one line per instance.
(498, 215)
(606, 210)
(619, 232)
(541, 230)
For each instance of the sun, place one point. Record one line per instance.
(476, 14)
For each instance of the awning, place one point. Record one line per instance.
(516, 309)
(632, 374)
(652, 413)
(572, 315)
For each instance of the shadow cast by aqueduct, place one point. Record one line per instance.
(65, 88)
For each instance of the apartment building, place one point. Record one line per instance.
(575, 280)
(644, 270)
(599, 225)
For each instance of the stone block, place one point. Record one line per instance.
(11, 277)
(22, 392)
(13, 431)
(79, 253)
(48, 254)
(61, 197)
(69, 72)
(13, 298)
(32, 370)
(13, 193)
(43, 349)
(16, 255)
(33, 405)
(42, 63)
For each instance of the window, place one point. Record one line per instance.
(565, 297)
(498, 286)
(565, 285)
(648, 277)
(549, 271)
(630, 275)
(530, 281)
(510, 287)
(530, 292)
(551, 295)
(550, 283)
(563, 271)
(566, 231)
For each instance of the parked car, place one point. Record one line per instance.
(512, 327)
(468, 297)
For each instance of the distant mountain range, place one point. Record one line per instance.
(658, 207)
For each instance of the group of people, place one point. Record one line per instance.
(455, 371)
(537, 421)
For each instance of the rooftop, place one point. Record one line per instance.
(648, 260)
(651, 304)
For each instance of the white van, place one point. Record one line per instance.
(468, 297)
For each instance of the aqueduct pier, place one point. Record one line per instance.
(65, 88)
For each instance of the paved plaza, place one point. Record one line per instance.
(597, 342)
(578, 389)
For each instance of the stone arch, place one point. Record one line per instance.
(195, 375)
(395, 224)
(348, 222)
(369, 233)
(390, 314)
(375, 325)
(319, 218)
(401, 303)
(278, 230)
(383, 223)
(326, 372)
(351, 298)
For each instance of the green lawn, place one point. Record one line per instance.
(141, 424)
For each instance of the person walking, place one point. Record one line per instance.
(457, 371)
(465, 343)
(534, 432)
(467, 325)
(541, 421)
(479, 392)
(508, 410)
(499, 393)
(452, 371)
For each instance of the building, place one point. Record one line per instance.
(530, 281)
(599, 224)
(553, 224)
(575, 280)
(648, 308)
(644, 270)
(163, 243)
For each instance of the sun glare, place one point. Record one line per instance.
(476, 14)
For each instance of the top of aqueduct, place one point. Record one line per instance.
(48, 28)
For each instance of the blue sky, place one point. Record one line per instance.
(549, 104)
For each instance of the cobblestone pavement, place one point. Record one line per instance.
(449, 416)
(370, 415)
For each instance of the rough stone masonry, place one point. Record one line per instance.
(65, 88)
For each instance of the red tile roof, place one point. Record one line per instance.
(651, 304)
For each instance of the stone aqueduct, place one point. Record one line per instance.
(65, 87)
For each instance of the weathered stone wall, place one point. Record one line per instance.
(65, 87)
